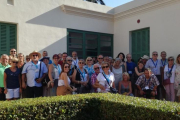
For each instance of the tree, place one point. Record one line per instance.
(97, 1)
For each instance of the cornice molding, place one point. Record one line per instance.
(87, 13)
(144, 8)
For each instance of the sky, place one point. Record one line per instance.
(115, 3)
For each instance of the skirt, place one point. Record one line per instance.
(62, 90)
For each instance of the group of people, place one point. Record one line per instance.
(35, 76)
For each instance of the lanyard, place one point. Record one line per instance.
(170, 69)
(75, 62)
(70, 71)
(147, 83)
(163, 63)
(57, 67)
(107, 77)
(35, 65)
(155, 64)
(82, 74)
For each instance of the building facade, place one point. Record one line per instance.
(138, 27)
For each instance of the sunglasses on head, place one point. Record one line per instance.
(13, 51)
(35, 55)
(81, 62)
(89, 60)
(15, 62)
(69, 60)
(66, 66)
(100, 58)
(105, 67)
(96, 68)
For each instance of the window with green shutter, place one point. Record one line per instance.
(140, 43)
(8, 37)
(89, 43)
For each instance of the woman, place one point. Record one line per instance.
(125, 85)
(54, 72)
(12, 81)
(169, 72)
(20, 65)
(10, 59)
(139, 70)
(105, 79)
(117, 70)
(122, 57)
(72, 68)
(89, 66)
(64, 82)
(27, 58)
(80, 78)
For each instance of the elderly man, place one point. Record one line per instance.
(94, 77)
(3, 65)
(100, 60)
(130, 65)
(35, 71)
(155, 65)
(163, 59)
(13, 52)
(147, 84)
(45, 54)
(75, 58)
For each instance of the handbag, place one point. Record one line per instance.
(112, 90)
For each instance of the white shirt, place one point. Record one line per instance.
(61, 82)
(75, 62)
(102, 80)
(32, 73)
(172, 78)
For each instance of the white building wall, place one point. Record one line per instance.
(164, 23)
(42, 25)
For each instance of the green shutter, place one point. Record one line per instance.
(140, 43)
(8, 37)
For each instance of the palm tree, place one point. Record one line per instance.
(97, 1)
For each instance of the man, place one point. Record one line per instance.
(106, 59)
(45, 54)
(155, 65)
(130, 65)
(35, 71)
(94, 77)
(145, 58)
(13, 52)
(60, 56)
(75, 58)
(147, 84)
(3, 65)
(163, 59)
(64, 56)
(100, 60)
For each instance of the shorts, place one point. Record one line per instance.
(12, 93)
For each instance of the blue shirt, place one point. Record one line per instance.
(130, 67)
(12, 80)
(90, 70)
(32, 72)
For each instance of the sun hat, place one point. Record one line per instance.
(35, 52)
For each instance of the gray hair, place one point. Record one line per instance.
(68, 57)
(4, 55)
(171, 57)
(154, 52)
(118, 59)
(95, 65)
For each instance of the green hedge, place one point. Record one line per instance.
(89, 107)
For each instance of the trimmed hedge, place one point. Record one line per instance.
(89, 107)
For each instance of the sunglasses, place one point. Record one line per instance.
(100, 58)
(27, 58)
(105, 67)
(89, 60)
(13, 51)
(81, 62)
(66, 66)
(155, 54)
(15, 62)
(69, 60)
(96, 68)
(170, 60)
(55, 58)
(35, 55)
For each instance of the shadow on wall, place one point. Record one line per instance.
(54, 48)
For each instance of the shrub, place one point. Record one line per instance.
(89, 107)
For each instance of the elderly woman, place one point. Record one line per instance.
(169, 73)
(12, 81)
(94, 77)
(177, 77)
(81, 78)
(89, 66)
(117, 70)
(125, 85)
(105, 79)
(54, 72)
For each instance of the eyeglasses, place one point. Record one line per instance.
(155, 54)
(100, 58)
(81, 62)
(15, 62)
(69, 60)
(55, 58)
(105, 67)
(170, 60)
(96, 68)
(35, 55)
(89, 60)
(27, 58)
(66, 66)
(13, 51)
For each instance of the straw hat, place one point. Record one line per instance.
(145, 57)
(35, 52)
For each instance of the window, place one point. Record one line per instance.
(140, 43)
(89, 43)
(8, 37)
